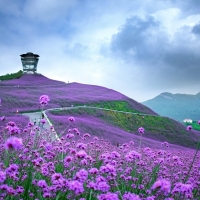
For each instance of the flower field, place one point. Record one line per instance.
(99, 155)
(78, 166)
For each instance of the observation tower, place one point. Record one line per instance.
(29, 62)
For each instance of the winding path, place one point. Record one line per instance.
(37, 115)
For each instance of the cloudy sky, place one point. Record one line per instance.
(140, 48)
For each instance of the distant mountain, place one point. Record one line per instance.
(176, 106)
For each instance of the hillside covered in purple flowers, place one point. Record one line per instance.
(21, 95)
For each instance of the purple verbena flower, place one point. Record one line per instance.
(129, 196)
(108, 196)
(70, 135)
(132, 156)
(44, 99)
(141, 130)
(30, 124)
(189, 128)
(46, 195)
(2, 176)
(163, 185)
(42, 184)
(13, 143)
(183, 189)
(81, 175)
(56, 178)
(43, 121)
(86, 135)
(3, 118)
(103, 186)
(71, 119)
(76, 186)
(93, 171)
(81, 154)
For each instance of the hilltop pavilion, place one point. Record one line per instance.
(29, 62)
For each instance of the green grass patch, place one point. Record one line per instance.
(194, 125)
(11, 76)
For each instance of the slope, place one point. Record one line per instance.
(23, 94)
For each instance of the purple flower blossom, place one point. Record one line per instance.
(44, 99)
(68, 159)
(14, 130)
(103, 186)
(141, 130)
(13, 143)
(42, 184)
(129, 196)
(93, 171)
(2, 176)
(76, 186)
(70, 135)
(43, 121)
(19, 190)
(86, 135)
(81, 154)
(163, 185)
(56, 178)
(189, 128)
(132, 156)
(81, 146)
(108, 196)
(30, 124)
(199, 122)
(81, 175)
(3, 118)
(11, 124)
(47, 195)
(71, 119)
(184, 189)
(92, 185)
(165, 144)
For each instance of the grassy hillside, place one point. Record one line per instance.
(11, 76)
(157, 128)
(176, 106)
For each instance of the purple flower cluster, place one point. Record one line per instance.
(189, 127)
(141, 130)
(44, 99)
(13, 143)
(71, 119)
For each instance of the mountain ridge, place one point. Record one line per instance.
(177, 106)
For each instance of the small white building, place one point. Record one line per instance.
(187, 121)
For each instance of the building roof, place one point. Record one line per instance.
(29, 54)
